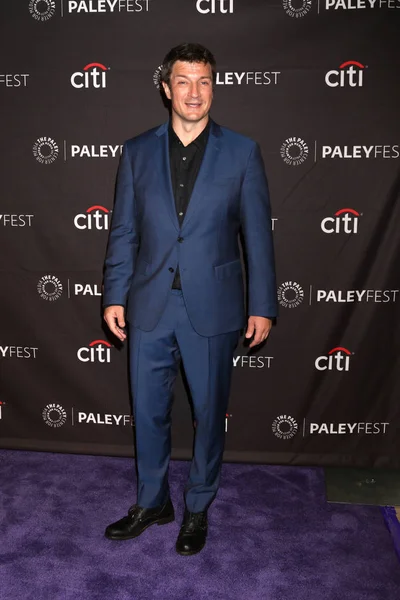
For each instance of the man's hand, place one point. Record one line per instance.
(260, 327)
(114, 316)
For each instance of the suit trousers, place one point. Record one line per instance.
(155, 357)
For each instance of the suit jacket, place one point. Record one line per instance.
(146, 242)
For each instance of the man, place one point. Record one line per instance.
(173, 269)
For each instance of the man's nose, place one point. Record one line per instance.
(194, 90)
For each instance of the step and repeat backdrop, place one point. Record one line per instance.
(316, 83)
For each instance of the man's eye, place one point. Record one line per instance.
(181, 82)
(205, 82)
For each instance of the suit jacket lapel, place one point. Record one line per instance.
(162, 159)
(206, 172)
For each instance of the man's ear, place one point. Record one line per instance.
(166, 89)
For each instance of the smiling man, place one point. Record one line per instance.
(173, 271)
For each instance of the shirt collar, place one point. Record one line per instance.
(200, 142)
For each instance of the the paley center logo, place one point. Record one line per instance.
(206, 7)
(93, 75)
(284, 427)
(297, 8)
(49, 288)
(42, 10)
(294, 151)
(97, 351)
(290, 294)
(95, 217)
(337, 359)
(344, 220)
(54, 415)
(45, 150)
(349, 73)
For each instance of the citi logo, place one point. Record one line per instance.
(1, 407)
(212, 6)
(96, 217)
(97, 351)
(338, 359)
(344, 220)
(94, 75)
(350, 73)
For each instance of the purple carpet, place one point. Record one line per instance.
(272, 537)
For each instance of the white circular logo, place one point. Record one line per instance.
(294, 151)
(297, 8)
(157, 77)
(54, 415)
(49, 288)
(290, 294)
(284, 427)
(42, 10)
(45, 150)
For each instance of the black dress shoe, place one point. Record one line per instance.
(139, 519)
(193, 533)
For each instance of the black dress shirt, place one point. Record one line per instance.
(185, 162)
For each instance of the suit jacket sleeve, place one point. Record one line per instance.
(123, 240)
(257, 232)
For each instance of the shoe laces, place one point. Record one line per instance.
(194, 521)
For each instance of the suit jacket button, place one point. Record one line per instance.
(171, 270)
(180, 240)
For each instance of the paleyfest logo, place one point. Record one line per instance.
(42, 10)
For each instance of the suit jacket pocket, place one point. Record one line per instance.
(233, 267)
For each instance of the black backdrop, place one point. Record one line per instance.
(316, 84)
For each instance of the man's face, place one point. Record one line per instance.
(190, 90)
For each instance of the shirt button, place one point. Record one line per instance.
(184, 158)
(180, 240)
(181, 214)
(181, 185)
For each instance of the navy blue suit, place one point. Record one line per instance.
(200, 324)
